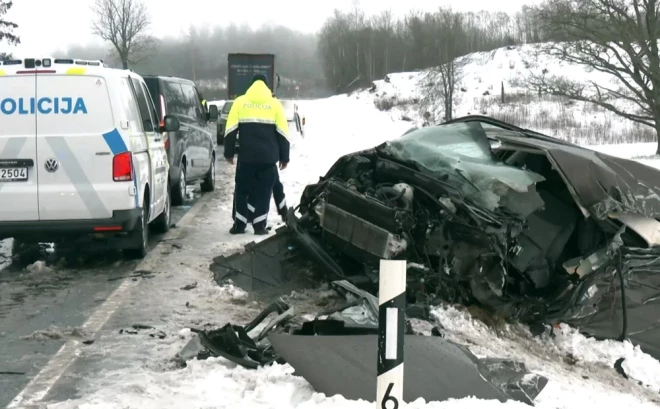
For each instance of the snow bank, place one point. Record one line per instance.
(479, 92)
(581, 370)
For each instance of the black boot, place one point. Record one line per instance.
(236, 230)
(283, 212)
(261, 232)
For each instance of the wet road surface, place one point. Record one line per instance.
(40, 310)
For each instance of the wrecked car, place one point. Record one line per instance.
(529, 227)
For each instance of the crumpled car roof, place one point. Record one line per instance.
(601, 184)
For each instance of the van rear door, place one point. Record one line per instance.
(76, 141)
(18, 173)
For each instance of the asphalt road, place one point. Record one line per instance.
(41, 306)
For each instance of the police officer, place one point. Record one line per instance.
(261, 122)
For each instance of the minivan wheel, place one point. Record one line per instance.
(140, 235)
(179, 190)
(208, 184)
(163, 221)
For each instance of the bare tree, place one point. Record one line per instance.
(441, 82)
(616, 37)
(7, 28)
(124, 23)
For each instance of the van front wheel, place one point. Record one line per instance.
(208, 184)
(179, 188)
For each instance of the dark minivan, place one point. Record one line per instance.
(190, 150)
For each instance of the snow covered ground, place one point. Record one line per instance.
(580, 370)
(479, 92)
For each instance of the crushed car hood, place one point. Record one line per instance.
(530, 227)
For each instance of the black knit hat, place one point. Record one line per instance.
(259, 77)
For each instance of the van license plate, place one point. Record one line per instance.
(13, 174)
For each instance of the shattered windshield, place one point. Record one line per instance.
(462, 151)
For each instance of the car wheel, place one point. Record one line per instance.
(163, 221)
(179, 190)
(140, 235)
(208, 184)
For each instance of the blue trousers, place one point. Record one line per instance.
(278, 197)
(254, 187)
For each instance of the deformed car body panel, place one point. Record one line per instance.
(436, 369)
(518, 222)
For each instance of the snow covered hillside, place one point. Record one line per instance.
(479, 92)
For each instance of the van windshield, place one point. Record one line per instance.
(227, 107)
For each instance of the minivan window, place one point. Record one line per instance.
(130, 106)
(150, 104)
(152, 86)
(145, 112)
(193, 100)
(175, 99)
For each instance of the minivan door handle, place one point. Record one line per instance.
(157, 140)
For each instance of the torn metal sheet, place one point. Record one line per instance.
(435, 369)
(272, 267)
(648, 229)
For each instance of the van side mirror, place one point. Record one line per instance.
(212, 115)
(170, 124)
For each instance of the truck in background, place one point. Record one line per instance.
(242, 67)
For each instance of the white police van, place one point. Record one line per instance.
(81, 154)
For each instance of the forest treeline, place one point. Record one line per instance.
(351, 49)
(201, 54)
(356, 48)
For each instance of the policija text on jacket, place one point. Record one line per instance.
(259, 119)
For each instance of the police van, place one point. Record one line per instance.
(81, 154)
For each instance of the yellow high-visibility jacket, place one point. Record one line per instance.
(261, 122)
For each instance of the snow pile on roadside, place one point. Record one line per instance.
(5, 252)
(479, 93)
(581, 370)
(216, 382)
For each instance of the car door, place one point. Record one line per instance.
(159, 152)
(206, 133)
(199, 153)
(155, 153)
(18, 148)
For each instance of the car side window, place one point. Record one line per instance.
(150, 102)
(193, 101)
(130, 106)
(200, 107)
(145, 113)
(175, 100)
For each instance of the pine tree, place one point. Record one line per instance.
(7, 28)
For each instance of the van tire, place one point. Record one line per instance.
(140, 235)
(179, 189)
(162, 223)
(208, 184)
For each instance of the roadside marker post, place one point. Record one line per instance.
(391, 331)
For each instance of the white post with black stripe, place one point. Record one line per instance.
(391, 330)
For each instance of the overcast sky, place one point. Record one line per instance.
(48, 25)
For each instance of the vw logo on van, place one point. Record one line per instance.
(51, 165)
